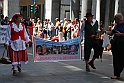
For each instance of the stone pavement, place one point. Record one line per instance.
(60, 72)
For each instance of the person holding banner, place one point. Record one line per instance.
(90, 26)
(16, 39)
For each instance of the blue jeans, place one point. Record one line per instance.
(57, 31)
(50, 34)
(69, 35)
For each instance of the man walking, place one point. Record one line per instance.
(118, 45)
(90, 26)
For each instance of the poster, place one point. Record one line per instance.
(44, 50)
(3, 33)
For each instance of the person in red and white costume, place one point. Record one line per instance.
(16, 39)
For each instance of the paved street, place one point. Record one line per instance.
(60, 72)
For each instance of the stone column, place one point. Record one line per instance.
(98, 11)
(48, 9)
(5, 7)
(74, 9)
(52, 9)
(107, 14)
(13, 7)
(41, 12)
(116, 6)
(84, 8)
(120, 8)
(94, 2)
(55, 10)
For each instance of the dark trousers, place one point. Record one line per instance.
(65, 35)
(118, 57)
(88, 45)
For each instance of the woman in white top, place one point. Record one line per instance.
(16, 38)
(39, 25)
(50, 29)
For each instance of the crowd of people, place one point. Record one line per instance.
(62, 30)
(18, 35)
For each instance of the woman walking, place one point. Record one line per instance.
(16, 38)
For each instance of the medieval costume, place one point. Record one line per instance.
(90, 26)
(16, 39)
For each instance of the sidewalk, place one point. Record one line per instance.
(60, 72)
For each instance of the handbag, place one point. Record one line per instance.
(106, 41)
(5, 60)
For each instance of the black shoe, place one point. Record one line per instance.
(14, 73)
(87, 69)
(19, 68)
(92, 65)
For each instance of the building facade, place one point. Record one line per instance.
(10, 7)
(25, 8)
(103, 10)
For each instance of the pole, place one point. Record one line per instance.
(34, 9)
(116, 6)
(98, 10)
(94, 2)
(107, 14)
(84, 8)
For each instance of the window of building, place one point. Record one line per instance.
(23, 11)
